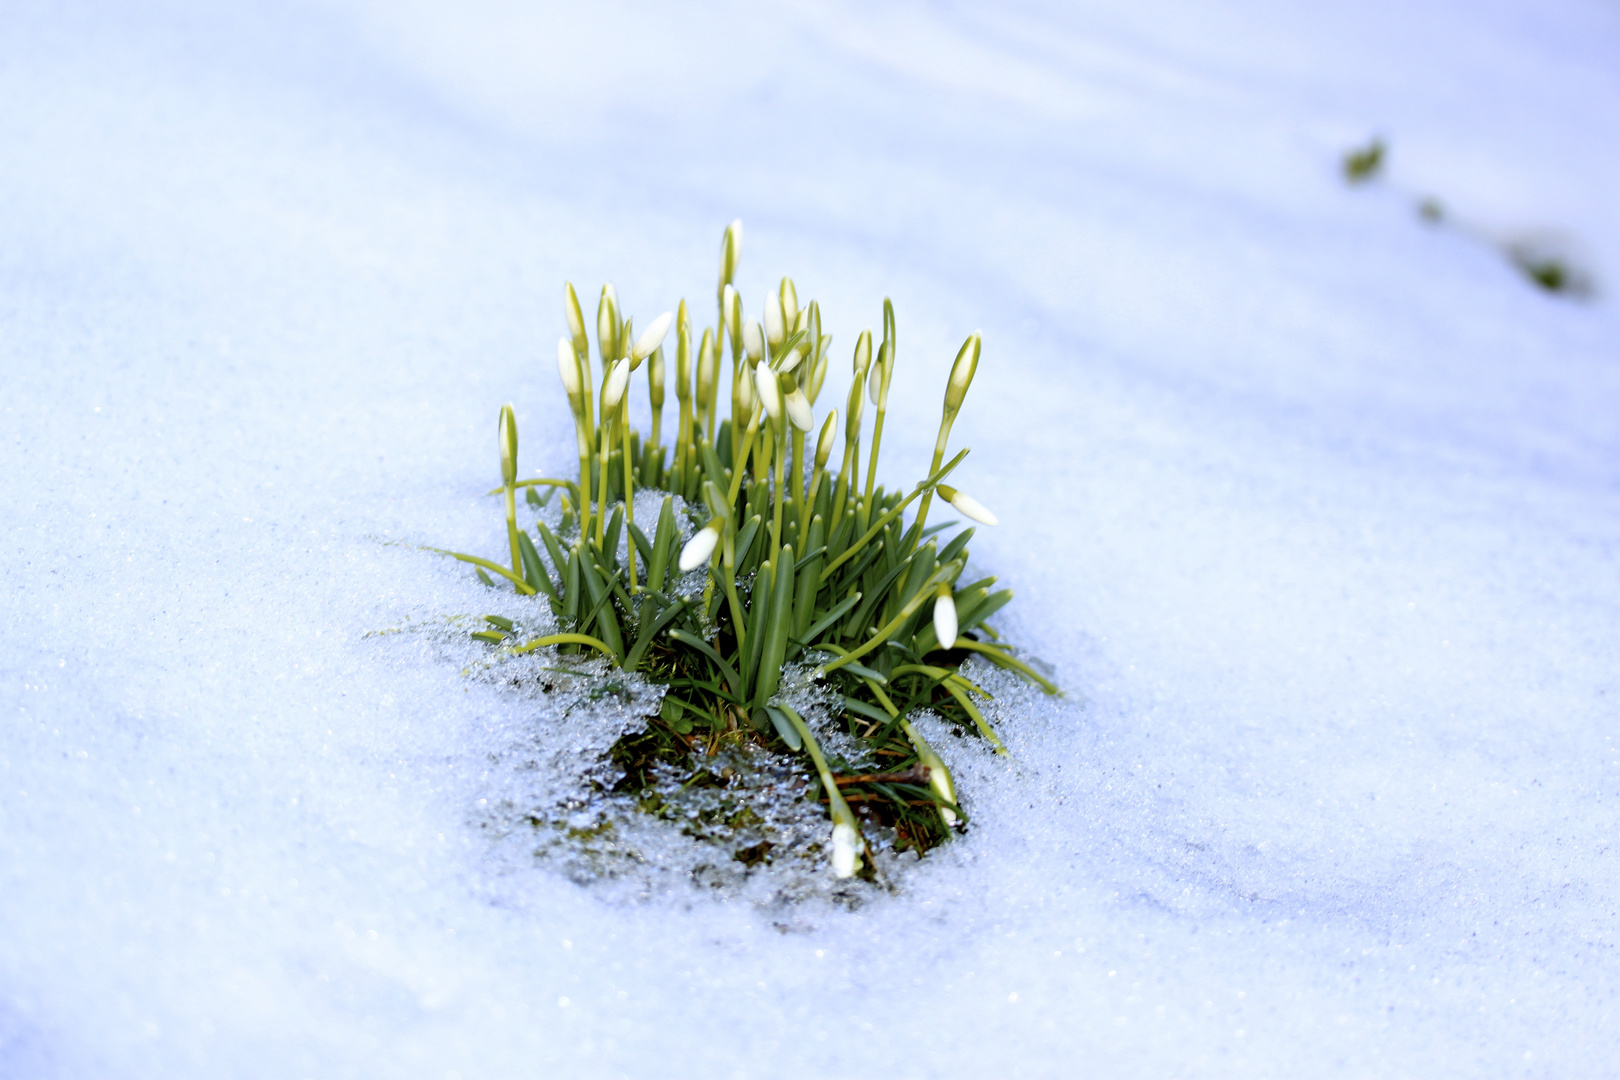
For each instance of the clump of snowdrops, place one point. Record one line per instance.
(799, 571)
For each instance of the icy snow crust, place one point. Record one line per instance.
(1312, 508)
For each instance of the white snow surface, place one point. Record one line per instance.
(1312, 507)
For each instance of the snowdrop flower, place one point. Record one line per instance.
(708, 358)
(789, 297)
(967, 505)
(651, 338)
(753, 342)
(607, 323)
(568, 370)
(655, 379)
(880, 375)
(775, 329)
(798, 408)
(857, 406)
(967, 362)
(846, 858)
(770, 394)
(742, 393)
(824, 444)
(576, 320)
(730, 249)
(819, 376)
(698, 549)
(508, 436)
(613, 386)
(863, 352)
(945, 618)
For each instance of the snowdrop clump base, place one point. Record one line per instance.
(799, 619)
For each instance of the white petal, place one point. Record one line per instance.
(653, 336)
(845, 853)
(699, 548)
(773, 320)
(945, 621)
(770, 394)
(798, 410)
(568, 366)
(753, 341)
(617, 380)
(969, 507)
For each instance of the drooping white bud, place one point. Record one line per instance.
(568, 369)
(613, 386)
(798, 409)
(698, 549)
(770, 394)
(652, 337)
(945, 618)
(753, 341)
(824, 444)
(967, 505)
(845, 850)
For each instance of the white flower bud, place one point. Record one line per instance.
(728, 297)
(857, 406)
(967, 505)
(613, 386)
(652, 337)
(509, 443)
(655, 378)
(863, 352)
(775, 330)
(846, 857)
(790, 302)
(708, 357)
(824, 444)
(770, 394)
(730, 249)
(798, 410)
(742, 392)
(698, 549)
(945, 618)
(753, 342)
(967, 362)
(568, 370)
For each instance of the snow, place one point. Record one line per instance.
(1311, 506)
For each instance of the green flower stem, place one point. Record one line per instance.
(1005, 660)
(602, 479)
(837, 808)
(629, 492)
(511, 530)
(877, 526)
(778, 500)
(747, 447)
(939, 455)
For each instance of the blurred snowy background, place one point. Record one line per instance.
(1312, 506)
